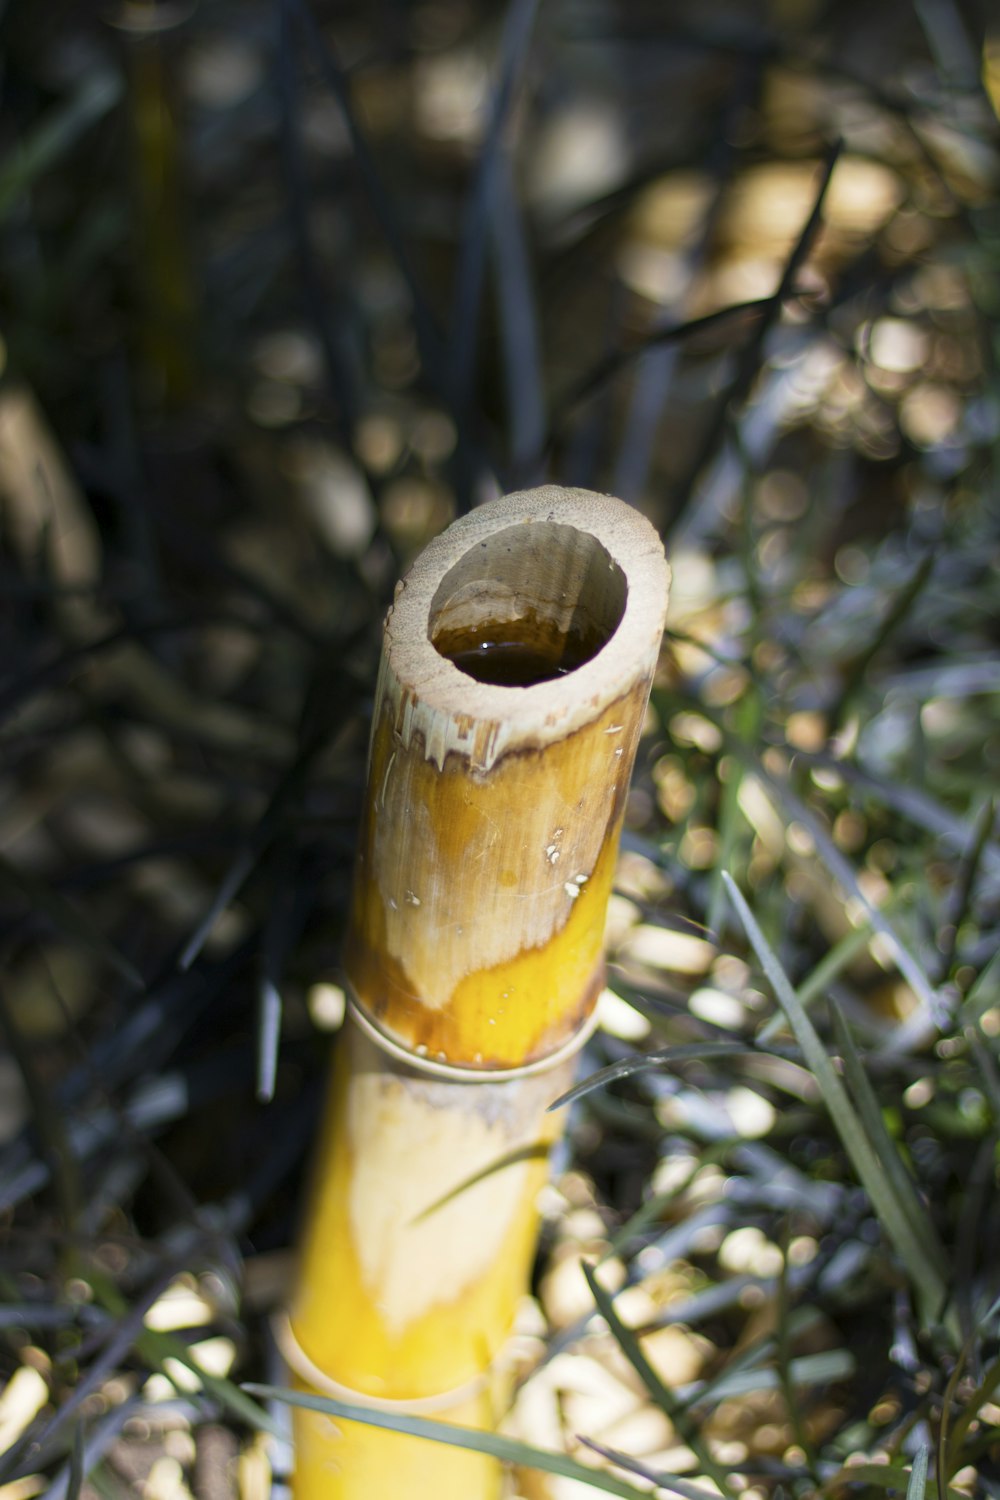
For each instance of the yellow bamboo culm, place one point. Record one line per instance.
(516, 667)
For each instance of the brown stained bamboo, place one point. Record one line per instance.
(474, 959)
(493, 817)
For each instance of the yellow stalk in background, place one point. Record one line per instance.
(163, 274)
(516, 666)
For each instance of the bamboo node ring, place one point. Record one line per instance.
(456, 1072)
(299, 1363)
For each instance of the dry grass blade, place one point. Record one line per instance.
(268, 1037)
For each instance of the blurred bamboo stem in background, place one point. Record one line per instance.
(516, 665)
(164, 279)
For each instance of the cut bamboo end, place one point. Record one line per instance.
(516, 667)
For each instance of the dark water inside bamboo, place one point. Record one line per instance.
(515, 663)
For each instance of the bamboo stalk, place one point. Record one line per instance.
(166, 322)
(516, 666)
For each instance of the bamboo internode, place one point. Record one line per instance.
(493, 816)
(516, 665)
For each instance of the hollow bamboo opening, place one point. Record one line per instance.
(521, 609)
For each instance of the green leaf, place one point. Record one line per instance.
(77, 1470)
(899, 608)
(655, 1204)
(985, 991)
(536, 1151)
(156, 1347)
(732, 824)
(792, 808)
(931, 1290)
(918, 1475)
(830, 967)
(672, 1482)
(984, 1392)
(885, 1477)
(665, 1399)
(647, 1062)
(884, 1146)
(56, 134)
(987, 1067)
(508, 1450)
(810, 1369)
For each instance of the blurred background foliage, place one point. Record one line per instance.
(284, 286)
